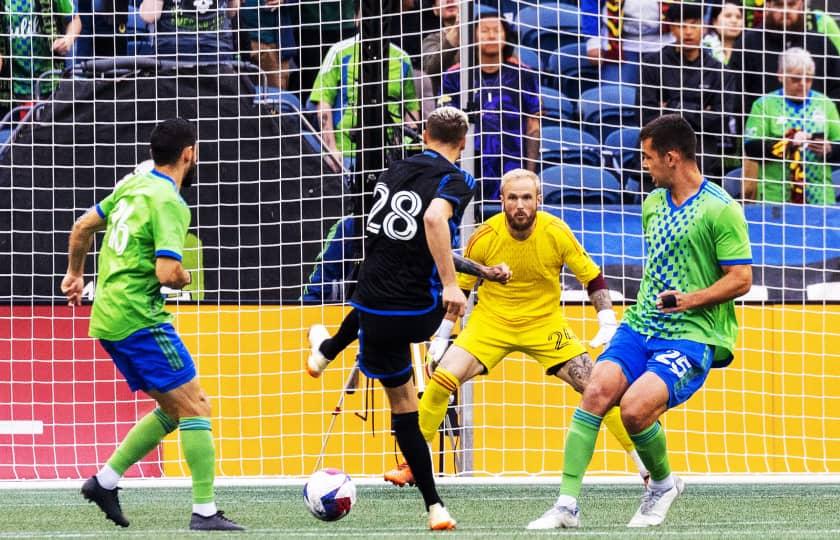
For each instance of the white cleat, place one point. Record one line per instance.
(439, 518)
(317, 362)
(557, 517)
(655, 505)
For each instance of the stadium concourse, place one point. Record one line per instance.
(298, 106)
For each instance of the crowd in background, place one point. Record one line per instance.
(758, 80)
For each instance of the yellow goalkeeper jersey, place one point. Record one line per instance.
(536, 263)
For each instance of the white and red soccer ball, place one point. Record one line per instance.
(329, 494)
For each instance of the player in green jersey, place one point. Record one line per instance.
(683, 322)
(145, 222)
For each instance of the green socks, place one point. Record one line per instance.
(197, 444)
(142, 439)
(650, 444)
(580, 444)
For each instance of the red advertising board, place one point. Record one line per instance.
(63, 405)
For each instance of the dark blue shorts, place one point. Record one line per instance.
(682, 364)
(152, 359)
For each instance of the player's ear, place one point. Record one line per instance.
(425, 138)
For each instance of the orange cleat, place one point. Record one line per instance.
(400, 476)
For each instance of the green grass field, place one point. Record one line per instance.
(704, 511)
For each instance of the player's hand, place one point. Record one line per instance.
(72, 287)
(608, 324)
(499, 273)
(454, 301)
(62, 45)
(435, 352)
(681, 302)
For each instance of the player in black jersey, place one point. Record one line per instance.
(407, 281)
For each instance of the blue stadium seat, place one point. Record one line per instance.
(835, 179)
(733, 182)
(569, 145)
(508, 8)
(575, 184)
(530, 58)
(547, 26)
(607, 108)
(577, 74)
(623, 144)
(556, 105)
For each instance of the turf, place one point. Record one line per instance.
(704, 511)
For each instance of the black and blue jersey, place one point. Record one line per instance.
(398, 275)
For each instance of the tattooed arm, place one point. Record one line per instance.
(500, 272)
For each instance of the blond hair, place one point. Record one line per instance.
(517, 174)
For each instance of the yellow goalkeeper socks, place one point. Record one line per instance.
(435, 401)
(614, 424)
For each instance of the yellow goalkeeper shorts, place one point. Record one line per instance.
(548, 340)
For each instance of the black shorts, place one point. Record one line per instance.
(385, 343)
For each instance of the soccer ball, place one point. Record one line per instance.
(329, 494)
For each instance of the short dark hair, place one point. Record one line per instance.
(168, 140)
(684, 11)
(671, 132)
(447, 125)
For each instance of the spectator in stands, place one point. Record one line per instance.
(619, 32)
(269, 25)
(727, 26)
(786, 24)
(793, 133)
(34, 43)
(105, 29)
(335, 93)
(684, 78)
(322, 24)
(440, 48)
(192, 31)
(505, 104)
(406, 28)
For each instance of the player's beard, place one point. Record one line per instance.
(189, 176)
(521, 223)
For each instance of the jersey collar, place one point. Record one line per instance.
(159, 174)
(688, 201)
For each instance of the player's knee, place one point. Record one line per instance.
(598, 397)
(634, 417)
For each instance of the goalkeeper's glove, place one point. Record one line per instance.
(608, 324)
(439, 344)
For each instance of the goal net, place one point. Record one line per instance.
(300, 106)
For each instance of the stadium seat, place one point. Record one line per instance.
(733, 181)
(623, 145)
(835, 179)
(577, 74)
(555, 105)
(607, 108)
(546, 26)
(530, 58)
(576, 184)
(569, 145)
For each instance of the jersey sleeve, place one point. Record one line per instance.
(104, 207)
(169, 228)
(731, 236)
(475, 251)
(755, 128)
(326, 85)
(530, 94)
(409, 92)
(458, 189)
(832, 121)
(574, 256)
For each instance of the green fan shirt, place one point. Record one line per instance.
(147, 218)
(771, 117)
(686, 248)
(337, 84)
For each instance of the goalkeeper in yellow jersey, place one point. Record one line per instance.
(523, 315)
